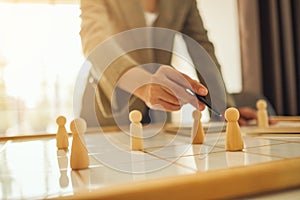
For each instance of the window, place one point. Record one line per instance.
(40, 56)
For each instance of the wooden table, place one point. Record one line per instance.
(169, 167)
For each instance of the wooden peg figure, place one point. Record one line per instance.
(62, 139)
(79, 158)
(198, 134)
(262, 114)
(234, 140)
(136, 131)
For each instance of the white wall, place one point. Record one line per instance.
(221, 21)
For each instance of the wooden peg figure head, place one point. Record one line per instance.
(197, 114)
(135, 116)
(232, 114)
(61, 121)
(261, 104)
(78, 126)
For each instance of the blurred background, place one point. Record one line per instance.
(256, 42)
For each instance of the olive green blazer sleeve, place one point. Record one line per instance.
(96, 27)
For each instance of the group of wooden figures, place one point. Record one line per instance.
(79, 158)
(234, 140)
(79, 154)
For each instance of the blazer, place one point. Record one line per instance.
(102, 19)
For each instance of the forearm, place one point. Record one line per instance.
(132, 80)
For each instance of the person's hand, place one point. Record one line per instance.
(167, 90)
(247, 115)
